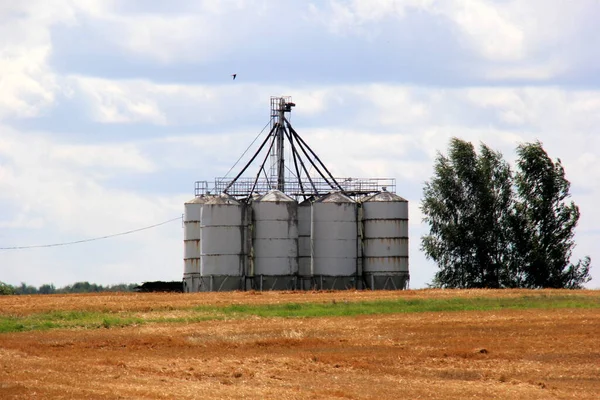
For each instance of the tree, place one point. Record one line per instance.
(122, 287)
(6, 289)
(25, 289)
(47, 289)
(467, 204)
(547, 221)
(490, 229)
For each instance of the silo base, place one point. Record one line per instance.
(220, 283)
(324, 282)
(191, 283)
(382, 281)
(271, 282)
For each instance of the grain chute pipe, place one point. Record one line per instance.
(295, 161)
(262, 167)
(299, 140)
(296, 157)
(313, 153)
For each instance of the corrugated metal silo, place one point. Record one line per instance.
(334, 241)
(191, 243)
(222, 244)
(385, 239)
(304, 249)
(275, 241)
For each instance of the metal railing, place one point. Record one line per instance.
(246, 186)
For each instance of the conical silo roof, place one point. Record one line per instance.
(335, 197)
(223, 199)
(199, 200)
(275, 196)
(384, 196)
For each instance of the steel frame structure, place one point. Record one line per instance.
(299, 183)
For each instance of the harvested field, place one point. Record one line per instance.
(538, 353)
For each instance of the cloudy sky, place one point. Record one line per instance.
(110, 110)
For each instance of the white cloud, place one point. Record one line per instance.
(117, 102)
(61, 192)
(484, 26)
(202, 33)
(536, 72)
(63, 184)
(27, 85)
(514, 40)
(142, 101)
(488, 28)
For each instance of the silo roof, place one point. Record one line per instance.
(198, 200)
(335, 197)
(275, 196)
(223, 199)
(385, 196)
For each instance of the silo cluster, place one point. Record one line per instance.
(271, 242)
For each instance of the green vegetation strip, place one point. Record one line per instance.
(107, 319)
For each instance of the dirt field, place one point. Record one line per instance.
(507, 354)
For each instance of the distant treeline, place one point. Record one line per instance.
(78, 287)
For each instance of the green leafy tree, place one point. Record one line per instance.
(25, 289)
(47, 289)
(466, 205)
(122, 287)
(6, 289)
(488, 229)
(546, 220)
(83, 287)
(78, 287)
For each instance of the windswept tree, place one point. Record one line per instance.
(466, 204)
(488, 229)
(546, 220)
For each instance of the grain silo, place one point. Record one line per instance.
(191, 243)
(334, 240)
(222, 250)
(385, 241)
(275, 241)
(305, 274)
(294, 225)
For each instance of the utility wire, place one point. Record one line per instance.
(89, 240)
(248, 148)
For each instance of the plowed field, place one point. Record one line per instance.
(541, 353)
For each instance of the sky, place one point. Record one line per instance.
(111, 110)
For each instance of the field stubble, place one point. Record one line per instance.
(525, 354)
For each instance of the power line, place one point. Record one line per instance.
(90, 240)
(248, 148)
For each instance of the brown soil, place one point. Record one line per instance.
(531, 354)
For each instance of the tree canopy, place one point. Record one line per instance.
(77, 287)
(490, 228)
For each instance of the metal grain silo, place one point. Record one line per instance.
(275, 241)
(191, 243)
(385, 241)
(304, 250)
(334, 241)
(222, 244)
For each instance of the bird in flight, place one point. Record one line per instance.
(234, 75)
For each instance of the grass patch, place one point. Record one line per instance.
(107, 319)
(65, 319)
(299, 310)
